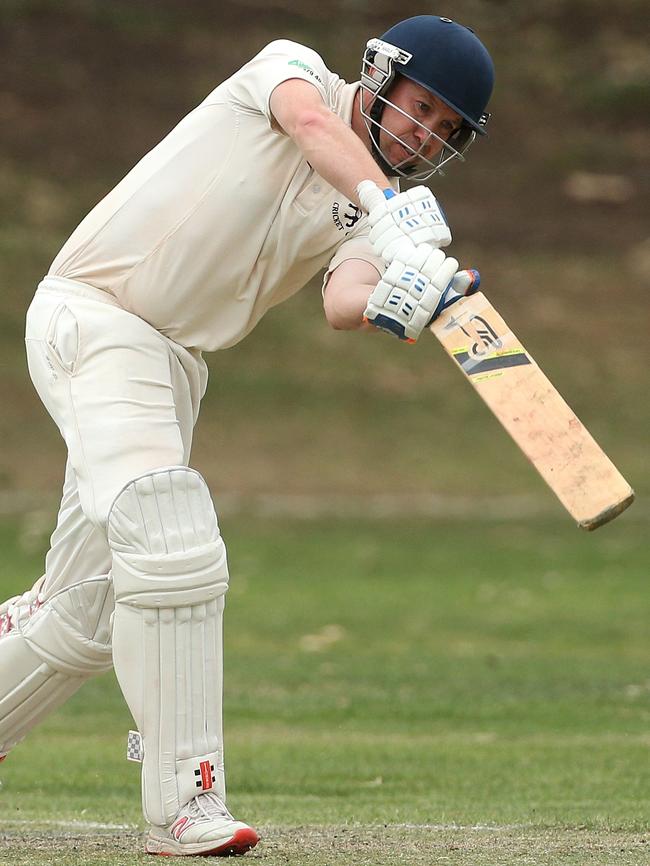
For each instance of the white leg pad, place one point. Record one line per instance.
(48, 650)
(170, 575)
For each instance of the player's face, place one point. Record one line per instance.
(429, 117)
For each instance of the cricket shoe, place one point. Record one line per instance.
(203, 827)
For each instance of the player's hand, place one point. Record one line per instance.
(414, 215)
(417, 286)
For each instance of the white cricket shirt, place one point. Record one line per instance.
(224, 218)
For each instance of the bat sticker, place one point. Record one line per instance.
(473, 365)
(485, 337)
(485, 353)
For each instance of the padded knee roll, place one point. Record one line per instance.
(48, 650)
(170, 575)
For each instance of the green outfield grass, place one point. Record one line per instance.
(443, 692)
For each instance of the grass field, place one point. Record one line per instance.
(442, 692)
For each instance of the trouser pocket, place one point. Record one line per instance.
(62, 338)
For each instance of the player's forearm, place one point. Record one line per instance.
(335, 152)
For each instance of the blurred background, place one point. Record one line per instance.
(552, 208)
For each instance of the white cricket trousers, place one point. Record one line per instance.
(125, 399)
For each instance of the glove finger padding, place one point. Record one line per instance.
(371, 196)
(414, 215)
(390, 243)
(411, 292)
(432, 263)
(418, 228)
(445, 273)
(380, 293)
(420, 255)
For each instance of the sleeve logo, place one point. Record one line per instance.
(306, 68)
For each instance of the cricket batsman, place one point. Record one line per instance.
(282, 171)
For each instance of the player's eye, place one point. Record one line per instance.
(448, 128)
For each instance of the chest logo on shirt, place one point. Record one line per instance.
(348, 219)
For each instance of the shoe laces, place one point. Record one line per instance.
(208, 806)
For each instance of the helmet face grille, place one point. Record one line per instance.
(376, 68)
(377, 74)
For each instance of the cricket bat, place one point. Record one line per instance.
(507, 378)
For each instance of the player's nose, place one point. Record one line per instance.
(423, 139)
(420, 134)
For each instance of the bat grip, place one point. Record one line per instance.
(465, 283)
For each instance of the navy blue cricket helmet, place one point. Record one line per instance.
(446, 58)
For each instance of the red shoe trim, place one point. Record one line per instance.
(241, 842)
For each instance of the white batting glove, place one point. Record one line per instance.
(417, 286)
(414, 215)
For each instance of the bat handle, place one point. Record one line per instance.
(465, 283)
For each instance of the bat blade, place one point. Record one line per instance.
(546, 429)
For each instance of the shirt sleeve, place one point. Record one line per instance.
(354, 248)
(250, 89)
(357, 246)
